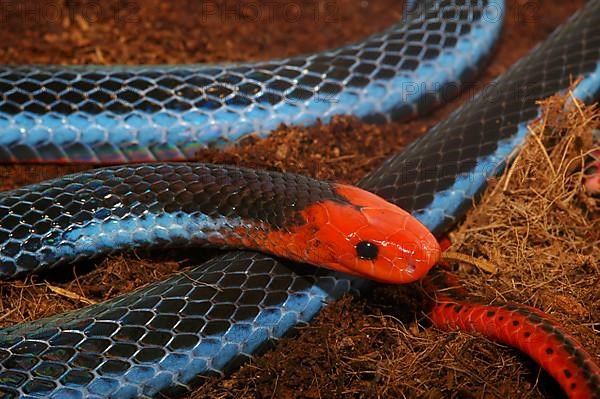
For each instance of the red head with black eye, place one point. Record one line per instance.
(367, 237)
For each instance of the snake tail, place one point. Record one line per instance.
(523, 327)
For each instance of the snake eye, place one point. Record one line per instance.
(367, 250)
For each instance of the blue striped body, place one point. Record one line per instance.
(132, 114)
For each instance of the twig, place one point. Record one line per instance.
(70, 294)
(480, 264)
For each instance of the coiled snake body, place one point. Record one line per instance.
(162, 337)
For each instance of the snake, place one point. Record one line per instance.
(162, 338)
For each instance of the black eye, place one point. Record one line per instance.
(366, 250)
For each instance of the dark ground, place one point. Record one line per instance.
(369, 347)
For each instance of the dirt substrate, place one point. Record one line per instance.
(544, 240)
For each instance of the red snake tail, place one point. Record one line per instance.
(523, 327)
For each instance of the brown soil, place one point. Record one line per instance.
(357, 347)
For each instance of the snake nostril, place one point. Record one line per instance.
(410, 267)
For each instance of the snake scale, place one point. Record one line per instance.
(161, 338)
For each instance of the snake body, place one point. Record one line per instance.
(147, 113)
(161, 338)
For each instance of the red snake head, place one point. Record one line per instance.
(367, 237)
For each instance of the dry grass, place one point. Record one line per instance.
(538, 225)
